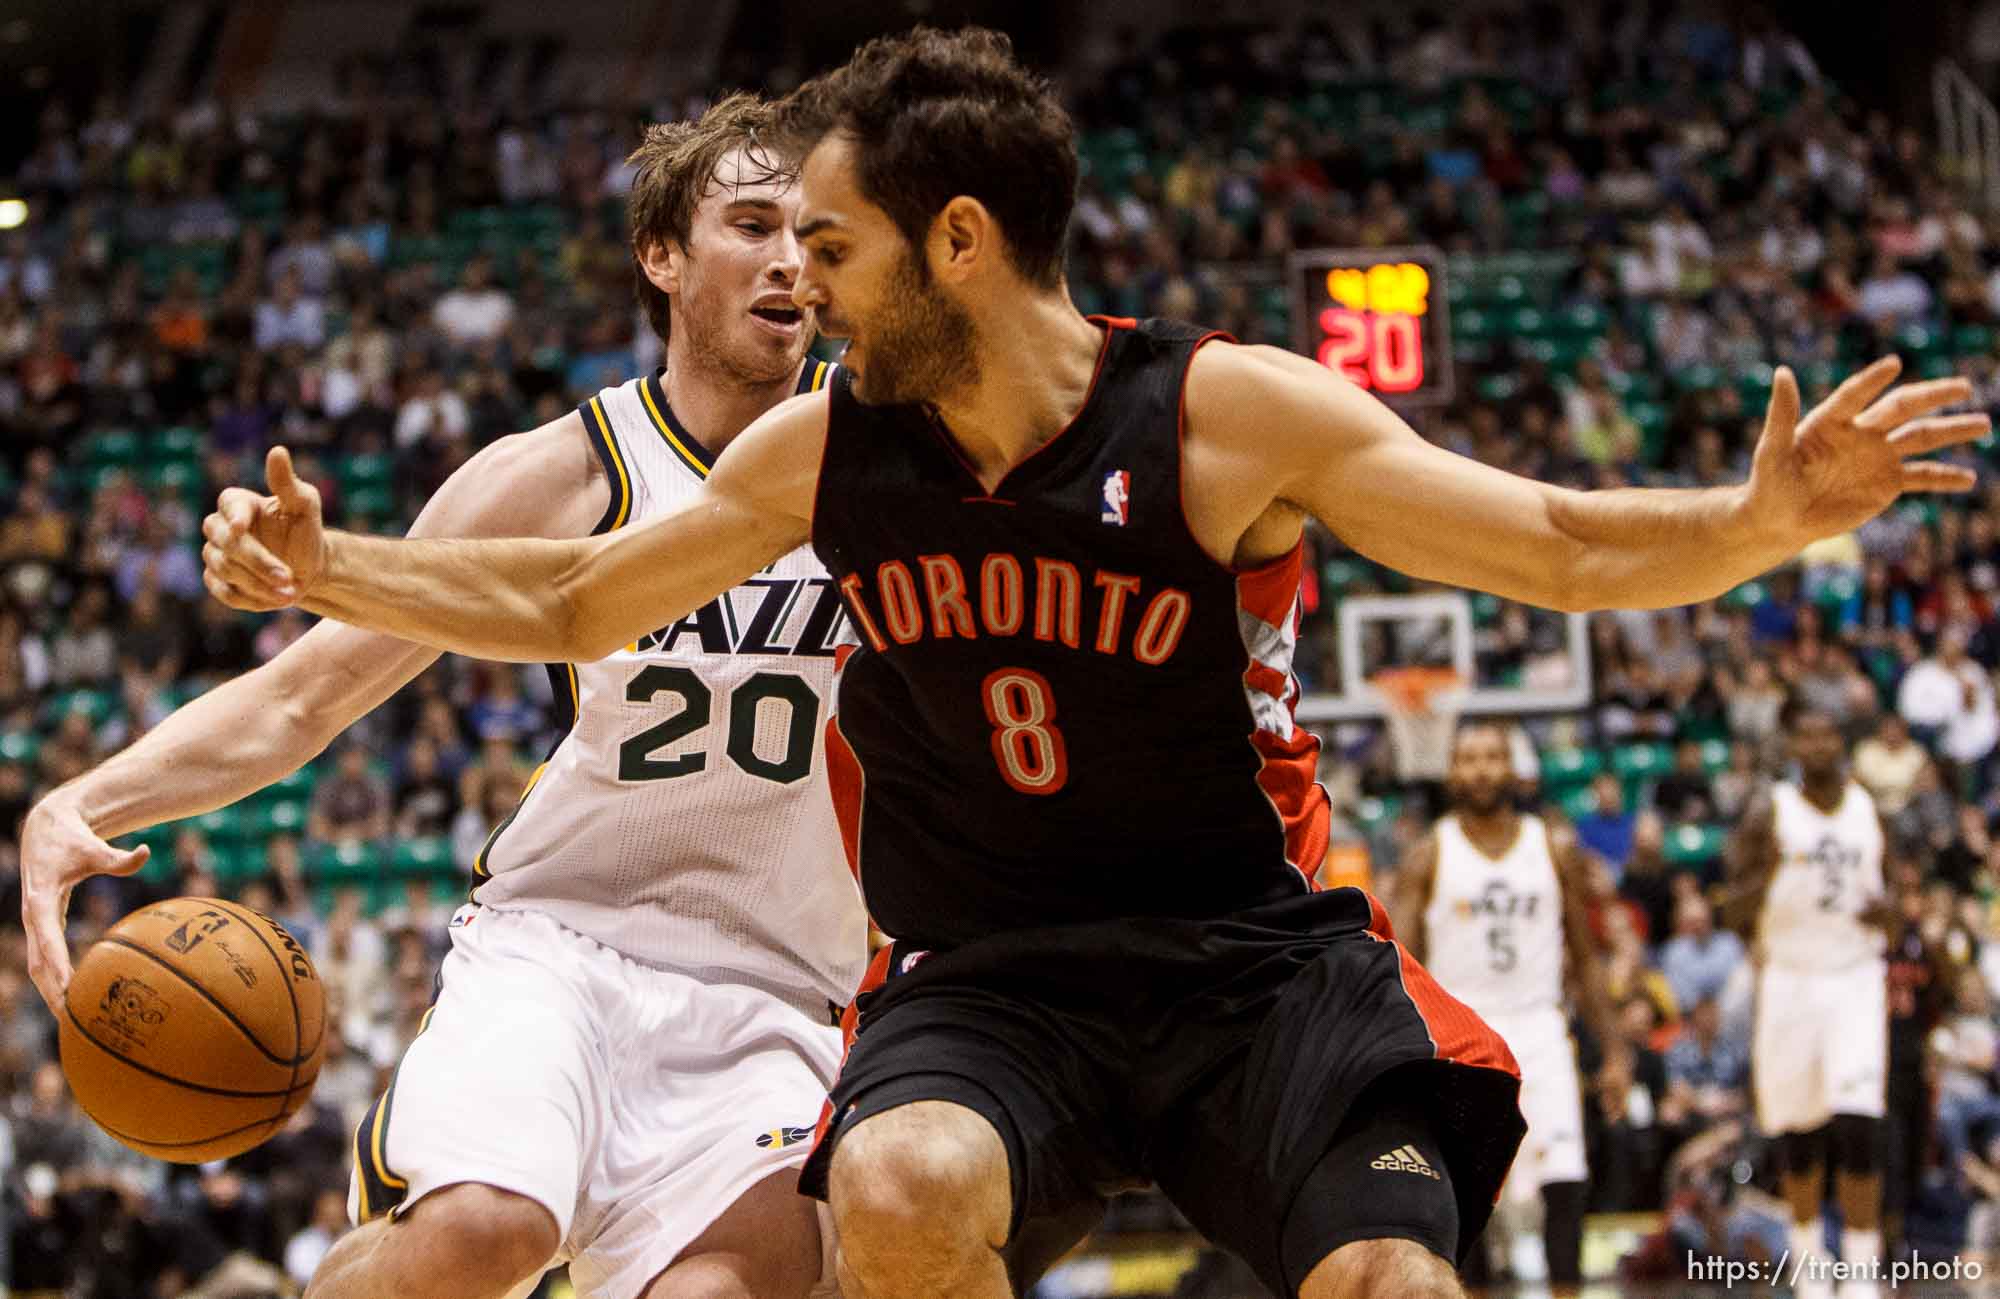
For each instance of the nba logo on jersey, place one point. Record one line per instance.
(1117, 497)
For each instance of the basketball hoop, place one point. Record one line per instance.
(1422, 706)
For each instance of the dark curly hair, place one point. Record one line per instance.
(936, 114)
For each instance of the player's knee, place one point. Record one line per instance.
(928, 1172)
(1382, 1269)
(489, 1238)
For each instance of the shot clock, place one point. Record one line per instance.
(1377, 316)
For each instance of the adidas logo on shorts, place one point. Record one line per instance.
(1405, 1159)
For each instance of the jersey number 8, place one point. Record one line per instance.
(1026, 744)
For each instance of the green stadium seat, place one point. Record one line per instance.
(1920, 340)
(1936, 366)
(284, 816)
(175, 445)
(1747, 596)
(1567, 768)
(1496, 387)
(369, 502)
(98, 705)
(19, 746)
(1693, 845)
(1582, 321)
(1698, 378)
(1577, 802)
(292, 785)
(223, 823)
(1971, 340)
(113, 447)
(428, 856)
(1714, 756)
(1337, 575)
(346, 862)
(1472, 324)
(236, 862)
(177, 478)
(1634, 763)
(1374, 813)
(1528, 322)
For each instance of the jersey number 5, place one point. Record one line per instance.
(635, 756)
(1026, 744)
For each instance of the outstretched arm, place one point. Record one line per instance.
(248, 732)
(527, 600)
(1273, 432)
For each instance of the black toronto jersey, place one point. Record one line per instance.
(1063, 710)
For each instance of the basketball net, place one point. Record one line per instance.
(1422, 706)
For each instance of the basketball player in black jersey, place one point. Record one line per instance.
(1076, 796)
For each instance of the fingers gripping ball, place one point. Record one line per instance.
(194, 1029)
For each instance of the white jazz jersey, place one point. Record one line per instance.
(1493, 929)
(1829, 869)
(685, 820)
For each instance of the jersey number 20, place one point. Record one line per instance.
(635, 756)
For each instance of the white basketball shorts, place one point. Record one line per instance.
(1821, 1045)
(1551, 1099)
(634, 1104)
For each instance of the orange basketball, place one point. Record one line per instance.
(194, 1029)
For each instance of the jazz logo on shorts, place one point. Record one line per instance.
(1117, 498)
(779, 1138)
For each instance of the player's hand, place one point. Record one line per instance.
(1880, 913)
(265, 552)
(1852, 454)
(58, 852)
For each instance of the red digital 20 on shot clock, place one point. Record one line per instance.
(1378, 317)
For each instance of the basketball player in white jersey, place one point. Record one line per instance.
(1494, 904)
(1807, 870)
(632, 1039)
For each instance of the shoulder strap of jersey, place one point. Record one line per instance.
(605, 443)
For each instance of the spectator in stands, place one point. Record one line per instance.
(159, 560)
(1708, 1072)
(501, 711)
(426, 798)
(1607, 828)
(1683, 794)
(1888, 763)
(352, 805)
(477, 311)
(1963, 1047)
(1947, 699)
(1699, 959)
(85, 651)
(310, 1243)
(1647, 882)
(290, 317)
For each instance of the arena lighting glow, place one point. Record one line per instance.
(13, 213)
(1377, 316)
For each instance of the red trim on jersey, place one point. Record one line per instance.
(1270, 592)
(846, 781)
(1379, 923)
(850, 1024)
(1287, 779)
(1269, 680)
(1457, 1032)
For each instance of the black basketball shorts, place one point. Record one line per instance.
(1238, 1063)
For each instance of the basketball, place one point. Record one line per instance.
(193, 1030)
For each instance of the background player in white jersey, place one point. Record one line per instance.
(632, 1038)
(1493, 903)
(1807, 867)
